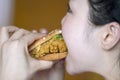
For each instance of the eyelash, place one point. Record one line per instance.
(69, 9)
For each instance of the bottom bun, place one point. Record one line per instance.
(56, 56)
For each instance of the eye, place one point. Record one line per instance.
(69, 9)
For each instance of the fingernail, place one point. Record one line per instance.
(34, 31)
(43, 30)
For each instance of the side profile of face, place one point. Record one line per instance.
(79, 38)
(83, 40)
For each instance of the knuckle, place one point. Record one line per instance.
(5, 45)
(15, 43)
(3, 28)
(23, 30)
(11, 44)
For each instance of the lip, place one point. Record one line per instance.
(66, 59)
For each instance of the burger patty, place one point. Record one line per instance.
(51, 46)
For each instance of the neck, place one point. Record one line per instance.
(109, 68)
(112, 75)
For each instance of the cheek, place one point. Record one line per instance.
(79, 56)
(73, 32)
(82, 56)
(67, 22)
(74, 38)
(77, 59)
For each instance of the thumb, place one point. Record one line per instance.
(37, 65)
(57, 72)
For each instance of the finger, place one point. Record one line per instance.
(18, 34)
(5, 33)
(34, 31)
(59, 64)
(43, 30)
(57, 72)
(13, 60)
(36, 65)
(12, 28)
(31, 37)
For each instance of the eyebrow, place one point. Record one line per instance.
(68, 7)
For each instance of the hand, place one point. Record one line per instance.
(54, 73)
(5, 33)
(16, 64)
(57, 72)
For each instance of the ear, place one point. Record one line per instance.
(110, 35)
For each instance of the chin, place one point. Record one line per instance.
(73, 68)
(70, 68)
(73, 71)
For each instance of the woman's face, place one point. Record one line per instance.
(79, 38)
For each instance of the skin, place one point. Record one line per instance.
(15, 61)
(91, 48)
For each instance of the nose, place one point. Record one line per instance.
(62, 21)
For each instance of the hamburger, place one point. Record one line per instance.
(49, 47)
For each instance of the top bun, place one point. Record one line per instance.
(45, 38)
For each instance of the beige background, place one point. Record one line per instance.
(35, 14)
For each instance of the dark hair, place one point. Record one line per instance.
(104, 11)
